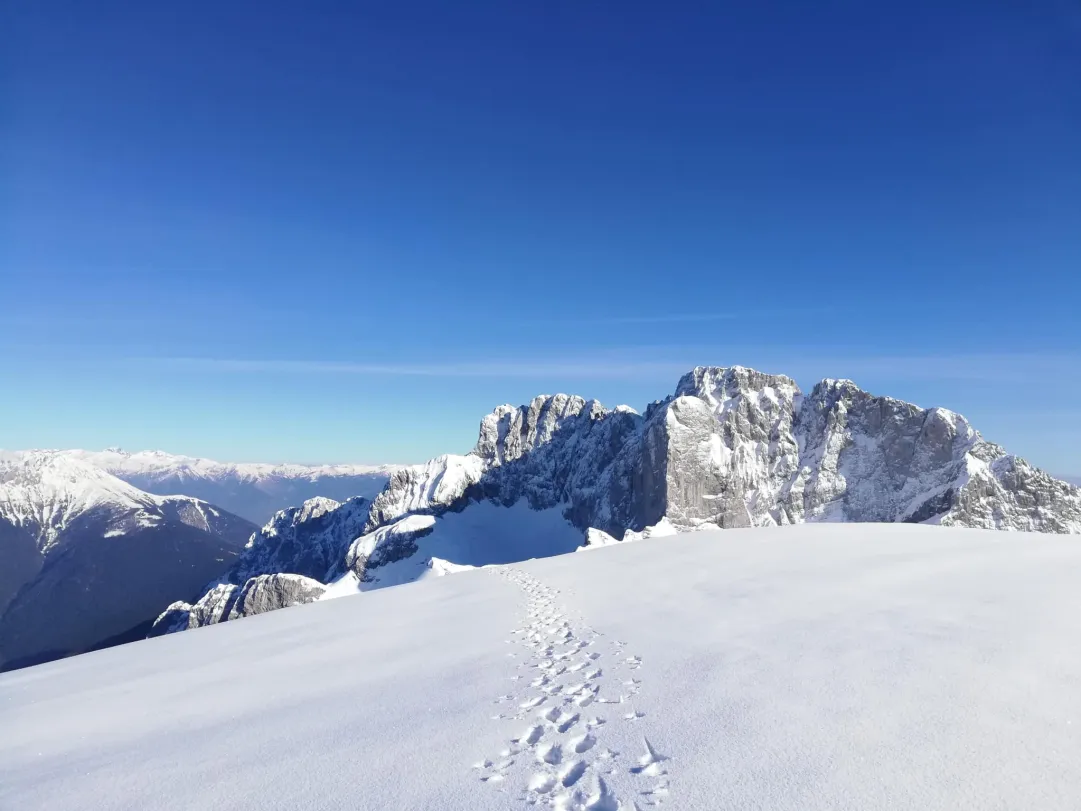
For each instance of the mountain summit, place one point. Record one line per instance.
(731, 447)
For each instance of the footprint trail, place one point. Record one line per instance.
(568, 679)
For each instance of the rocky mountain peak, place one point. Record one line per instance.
(717, 385)
(311, 509)
(732, 447)
(510, 432)
(308, 540)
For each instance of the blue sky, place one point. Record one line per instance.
(345, 231)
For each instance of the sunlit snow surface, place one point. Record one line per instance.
(809, 667)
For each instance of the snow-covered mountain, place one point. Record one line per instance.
(801, 668)
(87, 557)
(285, 563)
(253, 491)
(732, 447)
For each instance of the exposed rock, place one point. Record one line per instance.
(309, 540)
(388, 544)
(226, 602)
(427, 489)
(732, 447)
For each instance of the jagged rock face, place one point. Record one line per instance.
(776, 457)
(878, 459)
(732, 447)
(309, 540)
(729, 448)
(387, 544)
(427, 489)
(562, 450)
(227, 602)
(735, 447)
(1005, 492)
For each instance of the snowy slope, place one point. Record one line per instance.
(254, 491)
(87, 556)
(806, 668)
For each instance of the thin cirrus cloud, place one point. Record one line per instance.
(492, 368)
(670, 318)
(644, 362)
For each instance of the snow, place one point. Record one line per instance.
(799, 668)
(662, 529)
(251, 490)
(142, 463)
(47, 491)
(596, 538)
(482, 534)
(442, 567)
(438, 481)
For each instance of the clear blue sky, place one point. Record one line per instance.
(344, 231)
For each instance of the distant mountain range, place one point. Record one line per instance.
(732, 447)
(253, 491)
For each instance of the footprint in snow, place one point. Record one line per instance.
(566, 669)
(583, 743)
(550, 753)
(650, 763)
(542, 783)
(572, 773)
(531, 735)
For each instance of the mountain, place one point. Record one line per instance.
(732, 447)
(815, 667)
(226, 601)
(735, 447)
(285, 563)
(253, 491)
(89, 558)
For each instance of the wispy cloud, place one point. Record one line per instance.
(598, 368)
(672, 318)
(667, 363)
